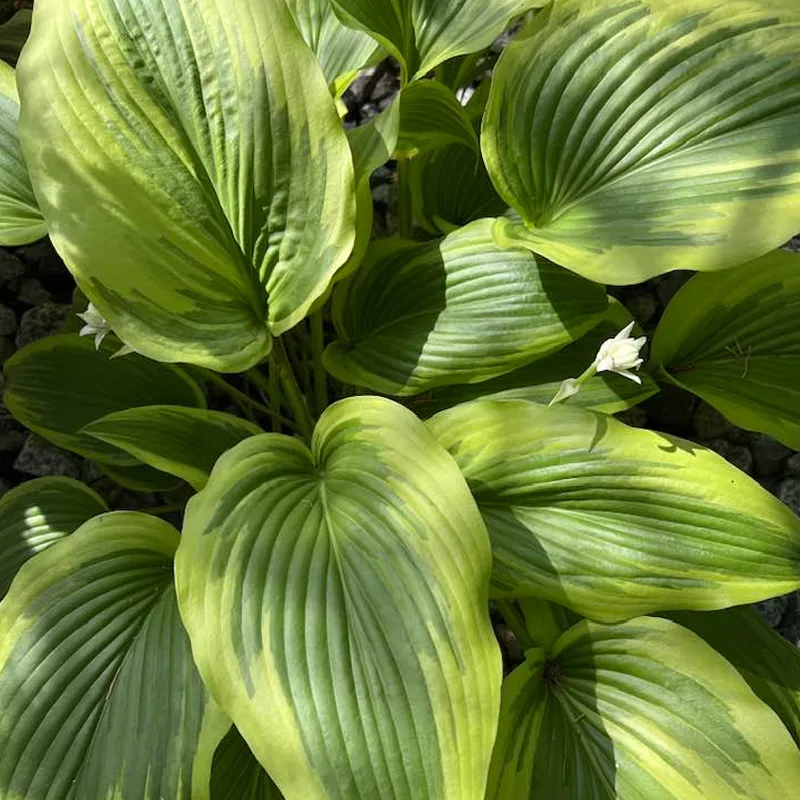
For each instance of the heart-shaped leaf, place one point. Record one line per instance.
(60, 384)
(99, 692)
(344, 589)
(637, 137)
(192, 169)
(20, 219)
(613, 521)
(640, 711)
(733, 338)
(459, 310)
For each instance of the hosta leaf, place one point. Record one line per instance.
(538, 382)
(614, 521)
(180, 441)
(236, 775)
(459, 310)
(341, 51)
(424, 33)
(198, 141)
(733, 339)
(451, 188)
(343, 588)
(641, 711)
(99, 692)
(140, 477)
(20, 219)
(36, 515)
(769, 664)
(430, 118)
(13, 35)
(58, 385)
(640, 136)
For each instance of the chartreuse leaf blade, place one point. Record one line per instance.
(430, 118)
(634, 137)
(640, 711)
(99, 692)
(340, 50)
(177, 440)
(13, 35)
(424, 33)
(236, 775)
(37, 514)
(58, 385)
(733, 339)
(459, 310)
(613, 521)
(20, 219)
(538, 382)
(344, 589)
(181, 132)
(769, 664)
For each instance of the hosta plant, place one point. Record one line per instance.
(362, 448)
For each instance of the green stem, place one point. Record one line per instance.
(405, 211)
(320, 376)
(294, 397)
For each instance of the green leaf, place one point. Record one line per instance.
(99, 692)
(769, 664)
(180, 441)
(199, 142)
(538, 382)
(641, 711)
(20, 219)
(451, 188)
(58, 385)
(236, 775)
(430, 118)
(13, 35)
(613, 521)
(341, 51)
(639, 136)
(344, 589)
(140, 477)
(733, 339)
(422, 34)
(36, 515)
(416, 316)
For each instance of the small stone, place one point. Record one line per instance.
(11, 267)
(671, 408)
(32, 293)
(642, 307)
(41, 321)
(790, 625)
(5, 486)
(8, 321)
(709, 423)
(634, 417)
(7, 349)
(768, 454)
(42, 259)
(90, 472)
(792, 465)
(40, 458)
(736, 454)
(789, 492)
(12, 435)
(794, 245)
(772, 610)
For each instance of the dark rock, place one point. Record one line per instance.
(768, 454)
(635, 417)
(709, 423)
(40, 458)
(32, 293)
(8, 321)
(792, 465)
(789, 492)
(41, 321)
(794, 245)
(668, 285)
(42, 259)
(11, 267)
(736, 454)
(772, 610)
(642, 306)
(671, 409)
(7, 349)
(12, 435)
(5, 486)
(790, 625)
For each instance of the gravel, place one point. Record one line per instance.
(40, 458)
(41, 321)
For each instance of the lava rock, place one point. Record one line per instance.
(772, 610)
(5, 486)
(789, 493)
(40, 458)
(7, 349)
(11, 267)
(41, 321)
(642, 307)
(634, 417)
(792, 465)
(668, 285)
(32, 293)
(709, 423)
(42, 259)
(768, 454)
(12, 435)
(672, 408)
(8, 321)
(736, 454)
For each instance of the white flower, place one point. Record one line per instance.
(621, 354)
(97, 326)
